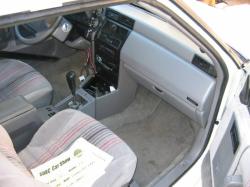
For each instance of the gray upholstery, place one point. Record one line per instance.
(12, 176)
(55, 136)
(18, 78)
(58, 133)
(12, 171)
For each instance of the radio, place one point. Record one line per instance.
(108, 44)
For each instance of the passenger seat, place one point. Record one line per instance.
(55, 136)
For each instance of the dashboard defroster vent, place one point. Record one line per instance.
(123, 20)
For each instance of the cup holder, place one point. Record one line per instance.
(98, 87)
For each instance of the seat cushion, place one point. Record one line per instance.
(58, 133)
(18, 78)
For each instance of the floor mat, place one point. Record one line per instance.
(55, 72)
(156, 131)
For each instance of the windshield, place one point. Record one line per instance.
(230, 23)
(13, 12)
(28, 5)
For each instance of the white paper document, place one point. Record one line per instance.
(81, 165)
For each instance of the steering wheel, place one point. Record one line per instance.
(40, 31)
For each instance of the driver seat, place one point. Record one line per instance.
(20, 79)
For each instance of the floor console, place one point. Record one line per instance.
(108, 45)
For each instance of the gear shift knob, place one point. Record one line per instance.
(71, 79)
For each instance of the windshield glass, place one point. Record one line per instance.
(230, 23)
(7, 7)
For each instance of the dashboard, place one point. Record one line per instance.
(154, 53)
(164, 60)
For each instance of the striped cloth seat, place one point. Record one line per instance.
(18, 78)
(7, 150)
(58, 133)
(13, 173)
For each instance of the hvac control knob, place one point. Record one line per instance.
(99, 59)
(114, 28)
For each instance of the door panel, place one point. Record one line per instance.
(229, 152)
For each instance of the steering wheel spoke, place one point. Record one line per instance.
(39, 36)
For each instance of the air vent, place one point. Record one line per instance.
(113, 15)
(204, 65)
(126, 21)
(123, 20)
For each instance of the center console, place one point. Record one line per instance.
(108, 45)
(109, 85)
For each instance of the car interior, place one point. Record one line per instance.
(140, 76)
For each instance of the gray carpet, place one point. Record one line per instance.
(156, 132)
(55, 72)
(159, 135)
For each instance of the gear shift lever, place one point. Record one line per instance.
(71, 80)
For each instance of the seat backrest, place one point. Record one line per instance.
(12, 171)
